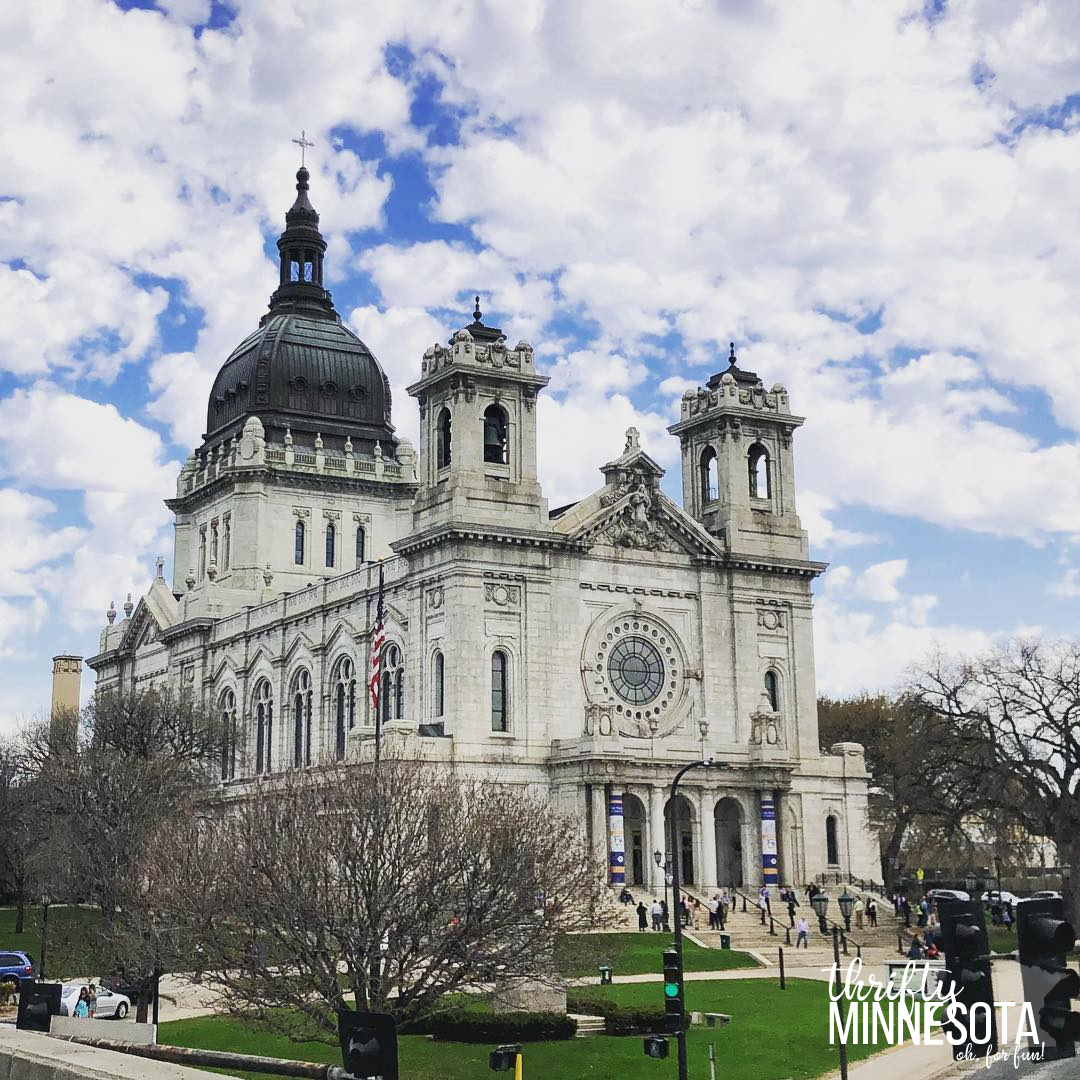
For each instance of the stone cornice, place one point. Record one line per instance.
(297, 481)
(763, 563)
(474, 533)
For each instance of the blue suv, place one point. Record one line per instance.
(16, 966)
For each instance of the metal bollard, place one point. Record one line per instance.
(783, 984)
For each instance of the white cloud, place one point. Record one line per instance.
(814, 511)
(1069, 585)
(878, 582)
(855, 651)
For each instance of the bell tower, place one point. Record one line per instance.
(477, 400)
(738, 469)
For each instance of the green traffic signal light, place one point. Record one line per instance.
(671, 989)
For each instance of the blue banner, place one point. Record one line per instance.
(770, 872)
(616, 841)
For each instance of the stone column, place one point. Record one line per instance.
(707, 839)
(600, 826)
(657, 836)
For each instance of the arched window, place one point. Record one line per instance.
(228, 735)
(832, 851)
(298, 544)
(302, 719)
(227, 543)
(500, 704)
(331, 538)
(361, 543)
(758, 463)
(264, 727)
(709, 470)
(344, 704)
(772, 690)
(495, 435)
(392, 698)
(437, 669)
(442, 438)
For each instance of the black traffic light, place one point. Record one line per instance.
(673, 992)
(504, 1058)
(967, 963)
(38, 1004)
(656, 1046)
(368, 1044)
(1045, 939)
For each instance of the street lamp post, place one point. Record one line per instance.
(820, 904)
(846, 902)
(706, 762)
(997, 867)
(665, 865)
(45, 901)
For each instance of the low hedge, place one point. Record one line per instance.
(473, 1027)
(618, 1019)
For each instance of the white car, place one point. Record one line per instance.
(109, 1006)
(995, 897)
(1045, 894)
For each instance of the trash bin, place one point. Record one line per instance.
(725, 941)
(605, 974)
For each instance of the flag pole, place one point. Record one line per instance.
(378, 636)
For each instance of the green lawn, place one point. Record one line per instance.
(73, 946)
(638, 954)
(774, 1034)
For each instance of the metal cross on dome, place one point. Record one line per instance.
(303, 142)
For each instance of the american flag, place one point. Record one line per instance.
(378, 637)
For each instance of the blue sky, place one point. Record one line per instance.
(877, 202)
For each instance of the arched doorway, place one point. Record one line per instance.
(729, 861)
(634, 825)
(683, 836)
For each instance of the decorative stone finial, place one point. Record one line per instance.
(129, 607)
(378, 450)
(318, 440)
(110, 615)
(731, 355)
(268, 576)
(190, 580)
(348, 447)
(633, 440)
(159, 567)
(288, 436)
(477, 313)
(211, 571)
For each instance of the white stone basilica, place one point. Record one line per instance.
(590, 650)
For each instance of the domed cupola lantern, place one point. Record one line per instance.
(303, 371)
(301, 249)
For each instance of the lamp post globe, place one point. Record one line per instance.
(820, 904)
(847, 903)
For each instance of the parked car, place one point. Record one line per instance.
(948, 894)
(992, 896)
(1045, 894)
(16, 966)
(110, 1005)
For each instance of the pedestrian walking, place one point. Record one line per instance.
(905, 910)
(792, 904)
(802, 933)
(82, 1006)
(665, 917)
(657, 911)
(642, 917)
(871, 911)
(763, 903)
(860, 907)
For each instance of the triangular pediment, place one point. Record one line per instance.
(638, 517)
(157, 610)
(300, 641)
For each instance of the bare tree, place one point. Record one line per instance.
(924, 779)
(103, 788)
(1024, 699)
(398, 883)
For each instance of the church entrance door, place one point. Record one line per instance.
(634, 823)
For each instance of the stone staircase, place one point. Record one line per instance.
(588, 1026)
